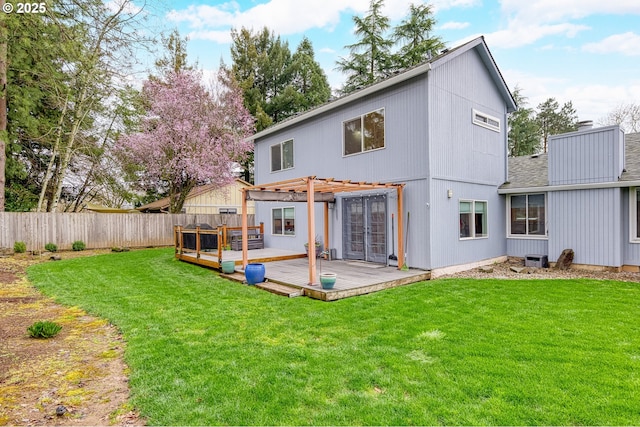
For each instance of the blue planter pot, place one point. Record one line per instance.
(254, 273)
(327, 280)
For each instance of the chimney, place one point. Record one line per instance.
(585, 125)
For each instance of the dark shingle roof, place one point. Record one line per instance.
(533, 171)
(528, 171)
(632, 157)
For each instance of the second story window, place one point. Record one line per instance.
(282, 156)
(364, 133)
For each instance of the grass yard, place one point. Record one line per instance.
(205, 351)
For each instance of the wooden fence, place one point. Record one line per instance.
(100, 230)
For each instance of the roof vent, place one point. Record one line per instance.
(585, 125)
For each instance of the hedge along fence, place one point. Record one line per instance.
(99, 230)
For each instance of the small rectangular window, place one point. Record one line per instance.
(473, 219)
(282, 156)
(634, 215)
(486, 121)
(283, 221)
(228, 211)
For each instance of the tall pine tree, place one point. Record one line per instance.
(370, 57)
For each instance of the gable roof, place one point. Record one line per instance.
(478, 43)
(532, 172)
(162, 205)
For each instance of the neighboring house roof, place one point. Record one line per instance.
(410, 73)
(162, 205)
(528, 172)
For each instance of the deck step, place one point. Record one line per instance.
(278, 289)
(235, 276)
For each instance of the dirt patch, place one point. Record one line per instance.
(76, 378)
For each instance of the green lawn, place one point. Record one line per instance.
(206, 351)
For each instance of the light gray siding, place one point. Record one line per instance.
(631, 250)
(589, 222)
(522, 247)
(446, 246)
(595, 155)
(461, 150)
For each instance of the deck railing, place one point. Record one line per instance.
(222, 240)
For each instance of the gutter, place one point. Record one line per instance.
(570, 187)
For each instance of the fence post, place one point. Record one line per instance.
(181, 239)
(198, 242)
(262, 227)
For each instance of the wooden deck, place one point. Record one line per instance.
(291, 270)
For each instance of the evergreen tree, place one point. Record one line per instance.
(524, 132)
(370, 57)
(414, 34)
(553, 120)
(275, 84)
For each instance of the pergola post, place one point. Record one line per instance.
(400, 228)
(311, 218)
(326, 227)
(245, 231)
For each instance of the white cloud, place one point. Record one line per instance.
(521, 35)
(591, 101)
(627, 44)
(452, 25)
(561, 10)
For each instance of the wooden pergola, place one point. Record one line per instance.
(311, 189)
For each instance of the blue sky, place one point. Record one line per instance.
(584, 51)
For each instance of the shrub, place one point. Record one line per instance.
(78, 245)
(19, 247)
(51, 247)
(44, 329)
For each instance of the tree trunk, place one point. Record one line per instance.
(3, 104)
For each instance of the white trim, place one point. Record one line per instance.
(362, 150)
(633, 215)
(527, 236)
(568, 187)
(282, 208)
(472, 225)
(486, 123)
(281, 144)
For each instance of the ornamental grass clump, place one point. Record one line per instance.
(19, 247)
(44, 329)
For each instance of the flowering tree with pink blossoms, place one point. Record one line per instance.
(190, 135)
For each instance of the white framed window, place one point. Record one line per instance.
(228, 211)
(283, 221)
(634, 214)
(282, 156)
(473, 219)
(485, 120)
(363, 133)
(527, 215)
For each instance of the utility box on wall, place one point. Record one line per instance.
(538, 261)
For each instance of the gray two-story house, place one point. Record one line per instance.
(439, 128)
